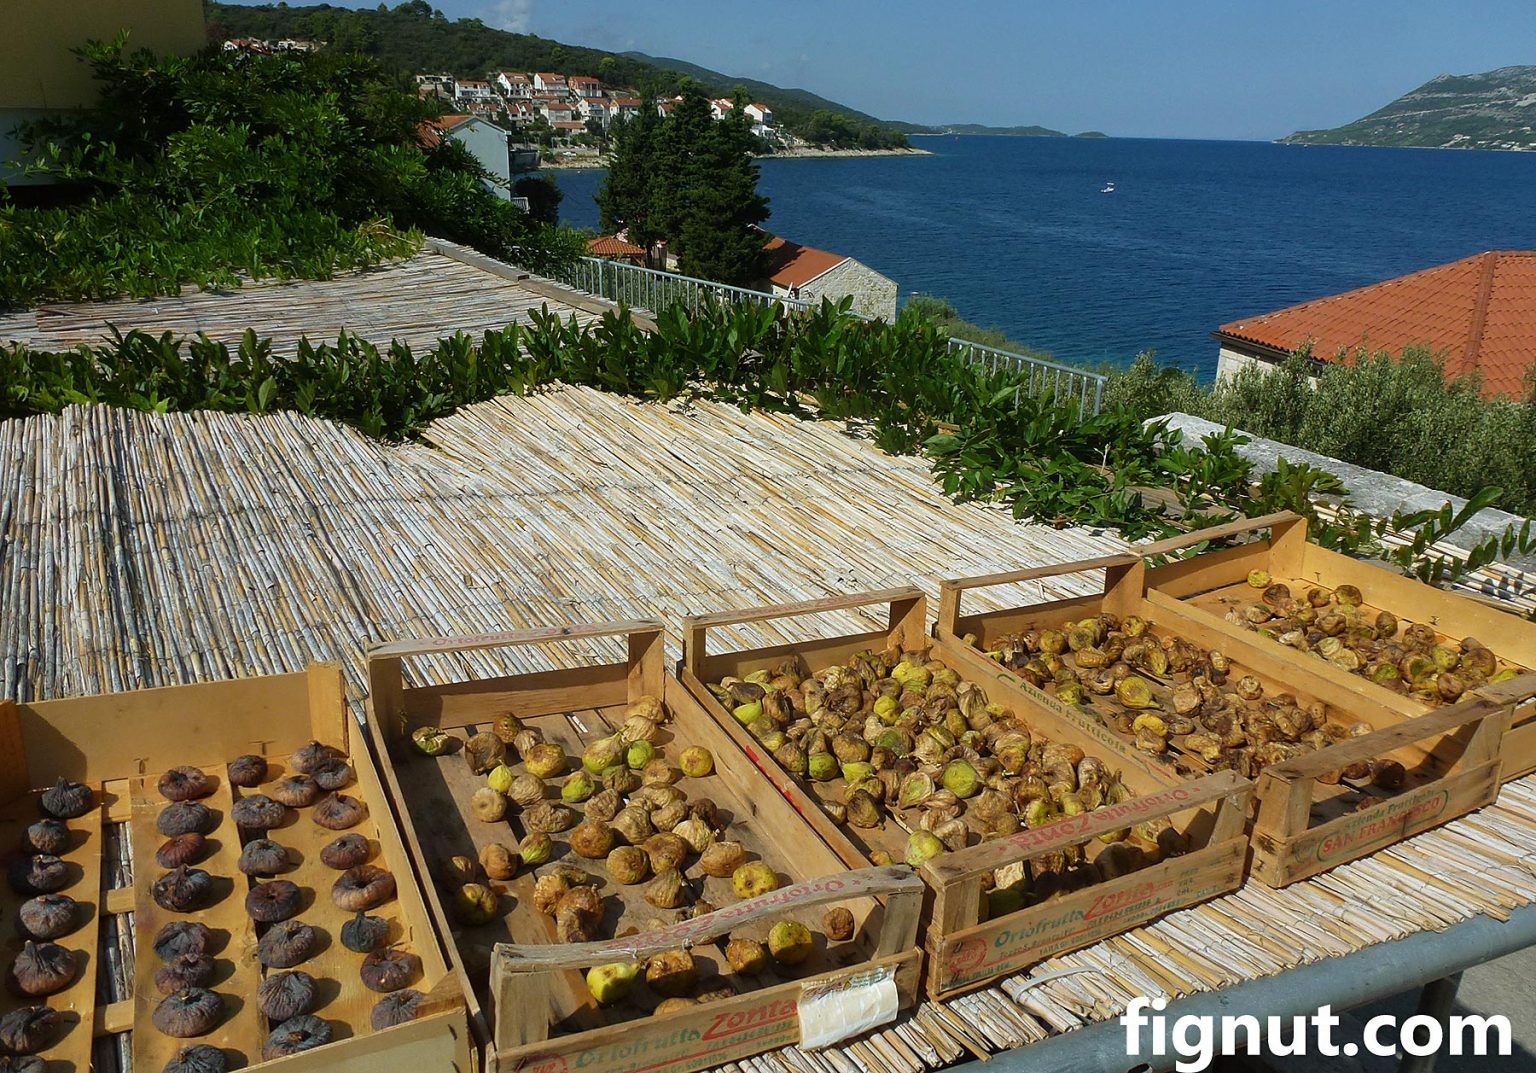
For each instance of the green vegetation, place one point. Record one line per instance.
(941, 313)
(201, 169)
(896, 383)
(1490, 110)
(836, 131)
(688, 179)
(414, 37)
(1395, 413)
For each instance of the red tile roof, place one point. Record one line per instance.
(793, 265)
(432, 130)
(1478, 314)
(613, 246)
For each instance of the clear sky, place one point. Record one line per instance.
(1149, 68)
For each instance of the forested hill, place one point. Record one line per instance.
(412, 37)
(1492, 110)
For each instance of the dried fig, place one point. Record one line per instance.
(302, 1033)
(181, 937)
(332, 774)
(746, 956)
(344, 851)
(27, 1030)
(286, 944)
(65, 800)
(198, 1058)
(364, 934)
(263, 857)
(484, 751)
(672, 973)
(578, 914)
(628, 865)
(526, 790)
(286, 994)
(547, 892)
(488, 805)
(666, 891)
(247, 771)
(536, 849)
(395, 1009)
(296, 791)
(721, 859)
(185, 783)
(48, 916)
(41, 969)
(274, 900)
(634, 825)
(593, 840)
(666, 850)
(389, 969)
(186, 817)
(46, 836)
(668, 816)
(498, 862)
(547, 817)
(258, 813)
(40, 873)
(183, 849)
(838, 924)
(183, 889)
(178, 974)
(340, 811)
(621, 780)
(194, 1011)
(362, 888)
(312, 756)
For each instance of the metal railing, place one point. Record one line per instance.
(1044, 379)
(650, 291)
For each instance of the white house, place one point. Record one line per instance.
(486, 142)
(594, 108)
(470, 89)
(555, 111)
(514, 84)
(721, 107)
(623, 107)
(552, 85)
(520, 112)
(585, 86)
(760, 114)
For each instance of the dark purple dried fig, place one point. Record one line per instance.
(65, 800)
(194, 1011)
(186, 817)
(27, 1030)
(312, 756)
(302, 1033)
(274, 900)
(178, 974)
(332, 774)
(40, 969)
(297, 791)
(364, 934)
(286, 994)
(340, 811)
(247, 771)
(263, 857)
(389, 969)
(258, 813)
(286, 944)
(362, 888)
(344, 851)
(48, 916)
(395, 1009)
(181, 937)
(46, 836)
(185, 783)
(40, 873)
(183, 889)
(22, 1063)
(183, 849)
(198, 1058)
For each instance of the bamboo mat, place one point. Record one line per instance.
(418, 301)
(141, 550)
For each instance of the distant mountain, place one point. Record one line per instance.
(1492, 110)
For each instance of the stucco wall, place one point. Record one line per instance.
(874, 295)
(1229, 362)
(39, 73)
(488, 144)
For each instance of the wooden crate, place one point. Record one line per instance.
(118, 744)
(1206, 586)
(530, 1005)
(964, 951)
(1307, 821)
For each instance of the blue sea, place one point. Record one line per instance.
(1016, 232)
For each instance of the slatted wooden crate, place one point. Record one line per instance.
(964, 950)
(118, 745)
(1308, 820)
(531, 1007)
(1207, 586)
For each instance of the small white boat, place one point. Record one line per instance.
(1109, 188)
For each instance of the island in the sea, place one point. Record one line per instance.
(1491, 110)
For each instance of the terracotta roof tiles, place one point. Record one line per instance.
(793, 265)
(1478, 314)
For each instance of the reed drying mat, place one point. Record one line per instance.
(145, 550)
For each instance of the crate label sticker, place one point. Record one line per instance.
(1386, 823)
(836, 1010)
